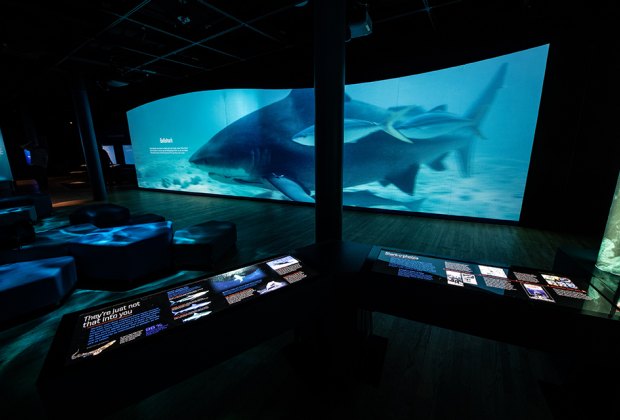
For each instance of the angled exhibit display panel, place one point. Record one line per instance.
(512, 282)
(130, 349)
(107, 328)
(125, 350)
(455, 141)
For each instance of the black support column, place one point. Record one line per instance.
(88, 138)
(329, 62)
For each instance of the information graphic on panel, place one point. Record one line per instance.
(519, 283)
(107, 328)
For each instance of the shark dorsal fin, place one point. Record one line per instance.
(305, 94)
(407, 110)
(440, 108)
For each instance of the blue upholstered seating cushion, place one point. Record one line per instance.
(201, 245)
(28, 286)
(101, 215)
(123, 254)
(48, 244)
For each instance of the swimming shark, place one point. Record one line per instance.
(365, 198)
(405, 124)
(434, 123)
(196, 315)
(94, 352)
(193, 307)
(354, 130)
(259, 148)
(189, 297)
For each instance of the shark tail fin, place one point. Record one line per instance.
(476, 113)
(479, 109)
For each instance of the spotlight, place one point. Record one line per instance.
(184, 19)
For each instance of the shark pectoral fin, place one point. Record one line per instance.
(389, 128)
(464, 158)
(305, 137)
(438, 163)
(290, 188)
(404, 180)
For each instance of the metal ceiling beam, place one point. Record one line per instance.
(201, 42)
(239, 21)
(426, 9)
(180, 38)
(165, 59)
(120, 19)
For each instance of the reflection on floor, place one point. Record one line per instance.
(428, 372)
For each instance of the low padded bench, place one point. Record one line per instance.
(26, 287)
(116, 257)
(101, 215)
(49, 244)
(41, 202)
(202, 245)
(16, 226)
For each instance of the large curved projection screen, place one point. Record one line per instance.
(454, 142)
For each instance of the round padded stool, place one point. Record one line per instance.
(101, 215)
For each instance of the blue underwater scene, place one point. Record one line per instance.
(455, 141)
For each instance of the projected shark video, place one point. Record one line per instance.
(454, 142)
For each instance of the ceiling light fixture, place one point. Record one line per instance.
(184, 19)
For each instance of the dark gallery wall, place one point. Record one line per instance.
(574, 163)
(44, 112)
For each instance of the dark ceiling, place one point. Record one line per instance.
(171, 42)
(139, 50)
(129, 52)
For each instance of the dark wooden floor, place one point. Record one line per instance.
(427, 372)
(267, 228)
